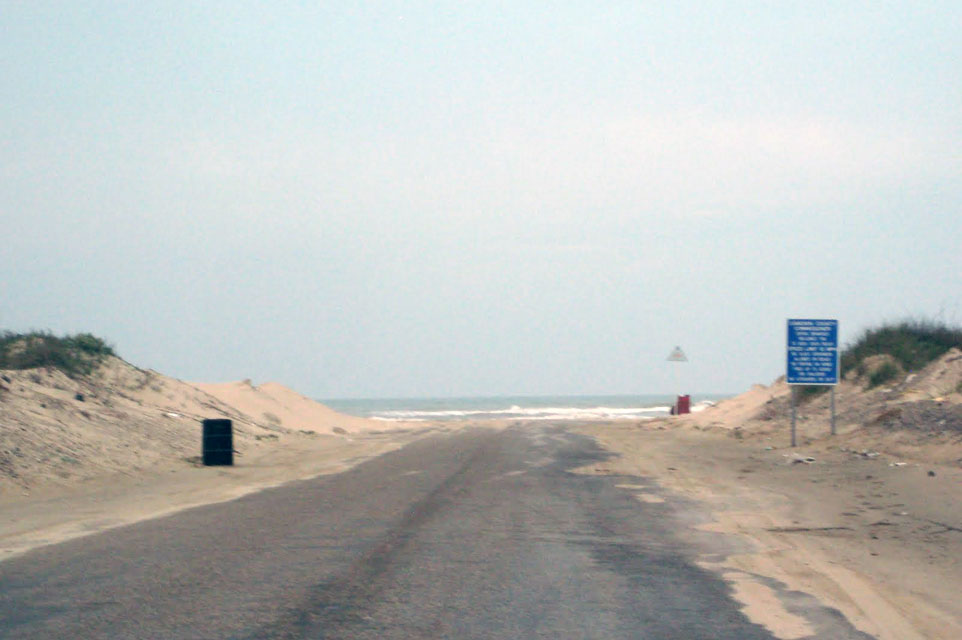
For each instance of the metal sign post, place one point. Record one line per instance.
(793, 416)
(833, 410)
(677, 355)
(812, 358)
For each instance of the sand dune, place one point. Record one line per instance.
(917, 416)
(278, 406)
(57, 430)
(78, 455)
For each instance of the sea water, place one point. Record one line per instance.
(624, 407)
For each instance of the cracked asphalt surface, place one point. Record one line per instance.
(475, 534)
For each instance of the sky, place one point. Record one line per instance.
(425, 199)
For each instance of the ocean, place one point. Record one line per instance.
(624, 407)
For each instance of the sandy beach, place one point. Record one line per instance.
(81, 455)
(867, 521)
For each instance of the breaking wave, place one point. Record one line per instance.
(532, 413)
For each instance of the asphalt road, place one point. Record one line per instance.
(477, 534)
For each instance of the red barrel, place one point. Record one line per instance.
(683, 405)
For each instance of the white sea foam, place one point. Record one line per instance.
(528, 413)
(701, 406)
(516, 408)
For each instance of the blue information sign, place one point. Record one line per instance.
(812, 352)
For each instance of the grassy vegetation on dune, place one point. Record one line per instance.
(912, 343)
(77, 354)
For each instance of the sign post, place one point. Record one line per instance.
(812, 358)
(677, 355)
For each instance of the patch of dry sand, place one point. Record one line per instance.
(872, 526)
(80, 455)
(48, 516)
(879, 542)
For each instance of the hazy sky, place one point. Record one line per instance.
(472, 198)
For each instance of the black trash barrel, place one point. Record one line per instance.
(218, 442)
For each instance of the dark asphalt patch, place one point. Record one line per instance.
(479, 534)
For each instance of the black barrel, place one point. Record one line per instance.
(218, 442)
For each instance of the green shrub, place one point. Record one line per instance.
(89, 343)
(912, 343)
(78, 354)
(886, 371)
(810, 392)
